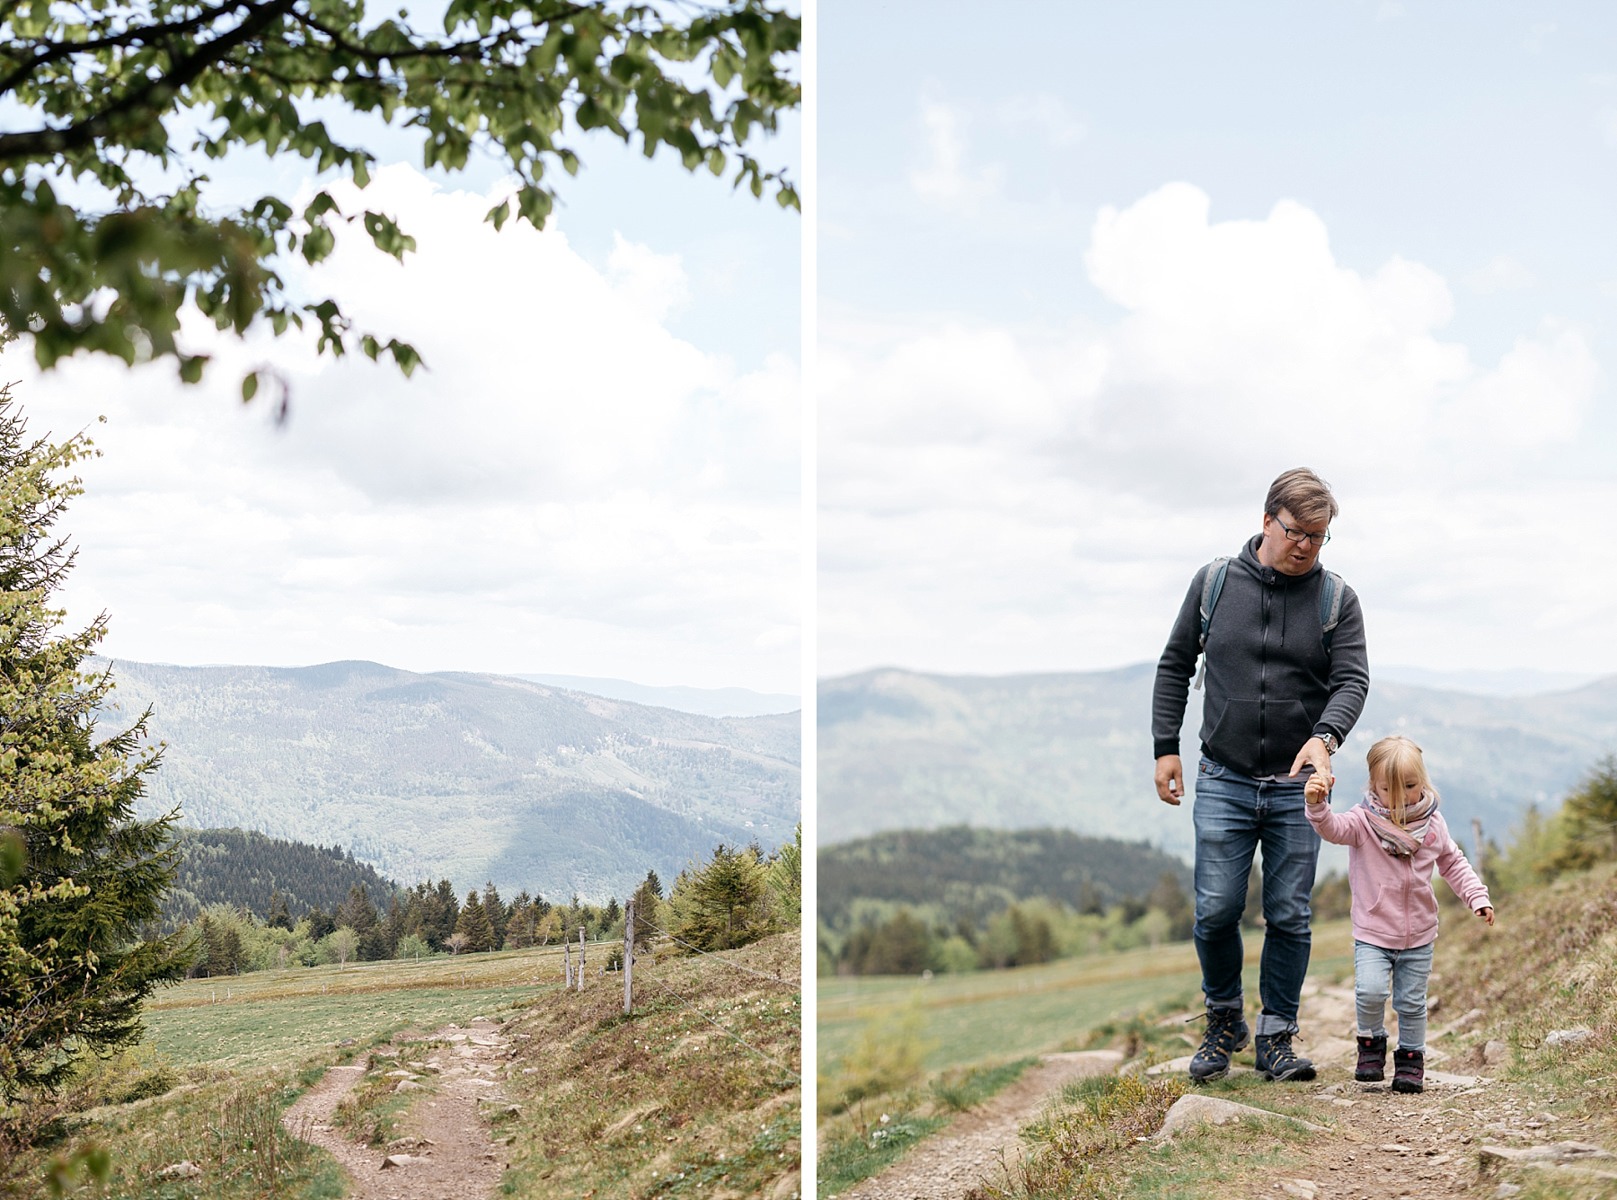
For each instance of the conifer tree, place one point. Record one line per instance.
(497, 914)
(474, 924)
(75, 963)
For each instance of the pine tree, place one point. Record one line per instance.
(75, 963)
(279, 915)
(445, 915)
(498, 916)
(474, 924)
(722, 904)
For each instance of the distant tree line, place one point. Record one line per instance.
(734, 897)
(900, 940)
(976, 873)
(961, 899)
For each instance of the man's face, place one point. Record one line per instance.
(1279, 552)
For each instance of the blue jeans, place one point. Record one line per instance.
(1406, 971)
(1234, 815)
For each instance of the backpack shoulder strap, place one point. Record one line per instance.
(1212, 585)
(1330, 608)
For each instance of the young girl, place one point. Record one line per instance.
(1394, 836)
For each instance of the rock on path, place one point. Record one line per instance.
(977, 1144)
(451, 1156)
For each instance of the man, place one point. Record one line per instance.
(1282, 694)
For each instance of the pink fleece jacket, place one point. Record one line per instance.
(1393, 903)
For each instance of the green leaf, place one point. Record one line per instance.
(249, 387)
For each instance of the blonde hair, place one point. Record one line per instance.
(1303, 494)
(1396, 759)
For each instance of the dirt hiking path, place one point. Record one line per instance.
(1466, 1135)
(446, 1153)
(975, 1144)
(1455, 1139)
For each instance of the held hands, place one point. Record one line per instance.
(1486, 913)
(1318, 788)
(1170, 779)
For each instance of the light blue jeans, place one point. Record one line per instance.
(1234, 816)
(1402, 974)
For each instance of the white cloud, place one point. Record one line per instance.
(998, 499)
(1538, 36)
(545, 497)
(946, 178)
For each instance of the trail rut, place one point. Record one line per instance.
(446, 1149)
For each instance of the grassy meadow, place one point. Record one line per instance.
(697, 1091)
(278, 1018)
(984, 1017)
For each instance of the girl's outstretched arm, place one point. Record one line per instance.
(1457, 872)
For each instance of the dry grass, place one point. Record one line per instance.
(696, 1093)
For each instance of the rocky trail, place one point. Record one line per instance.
(1466, 1135)
(445, 1151)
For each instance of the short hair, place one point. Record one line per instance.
(1303, 494)
(1396, 759)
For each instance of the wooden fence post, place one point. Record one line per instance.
(581, 958)
(628, 956)
(567, 962)
(1476, 839)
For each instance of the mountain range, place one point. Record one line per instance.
(900, 749)
(467, 777)
(708, 702)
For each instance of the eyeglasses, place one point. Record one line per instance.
(1299, 537)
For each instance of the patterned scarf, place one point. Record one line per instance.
(1401, 841)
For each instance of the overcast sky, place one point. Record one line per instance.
(1091, 276)
(597, 474)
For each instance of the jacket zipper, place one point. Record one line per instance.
(1263, 680)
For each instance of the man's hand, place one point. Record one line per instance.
(1486, 913)
(1313, 753)
(1170, 779)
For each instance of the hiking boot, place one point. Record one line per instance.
(1408, 1070)
(1226, 1033)
(1277, 1060)
(1372, 1066)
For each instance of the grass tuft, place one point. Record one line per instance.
(961, 1090)
(1081, 1144)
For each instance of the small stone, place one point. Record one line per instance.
(1568, 1037)
(1303, 1189)
(1507, 1189)
(408, 1085)
(1495, 1052)
(184, 1169)
(404, 1160)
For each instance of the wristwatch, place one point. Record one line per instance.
(1331, 744)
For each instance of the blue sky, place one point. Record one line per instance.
(1090, 276)
(598, 474)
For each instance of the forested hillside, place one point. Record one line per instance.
(958, 899)
(974, 873)
(246, 870)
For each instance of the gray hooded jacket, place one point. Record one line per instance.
(1271, 684)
